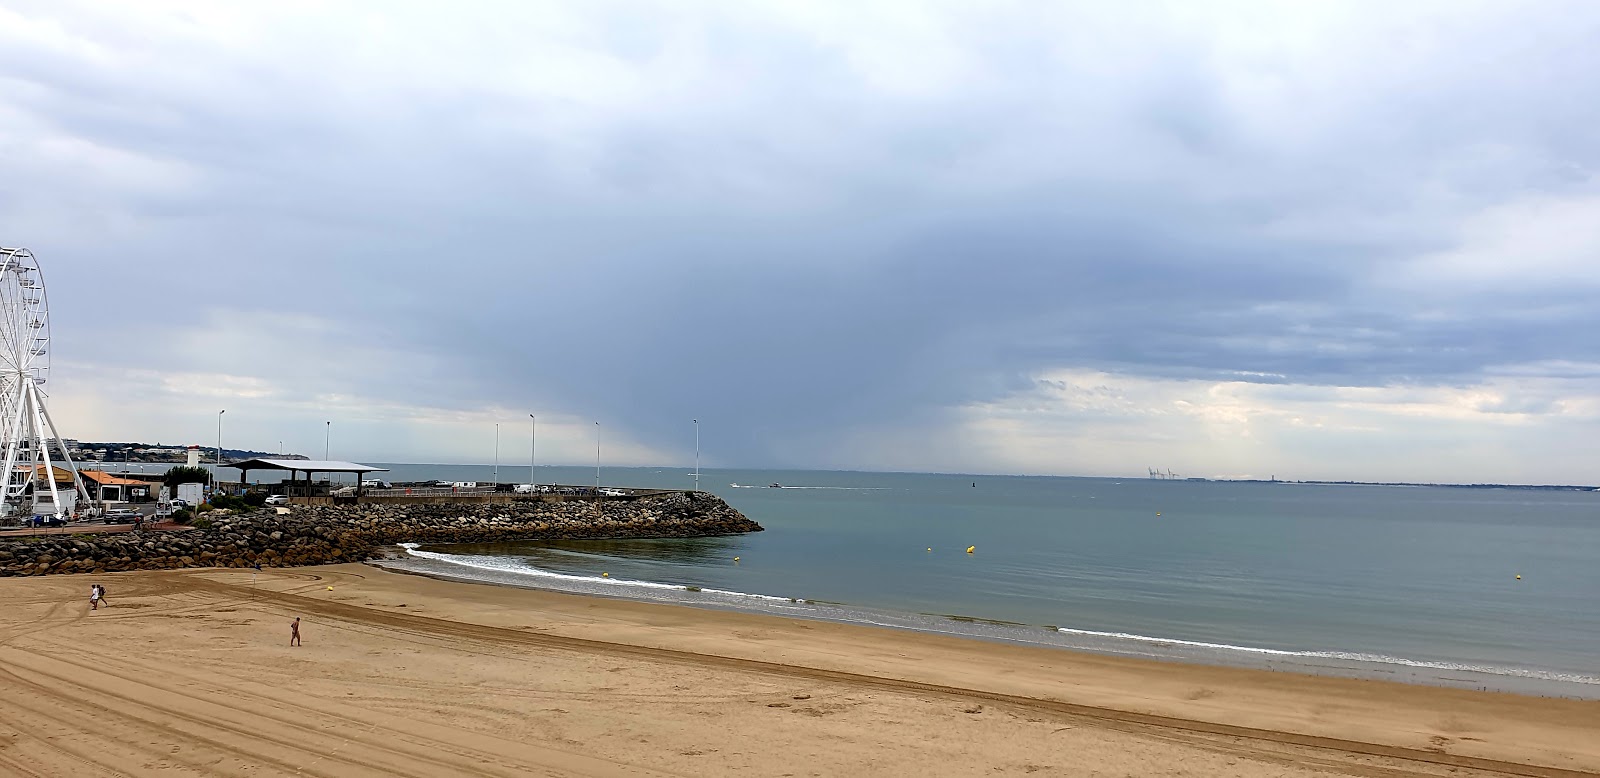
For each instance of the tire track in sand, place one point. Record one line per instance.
(1256, 742)
(219, 724)
(322, 732)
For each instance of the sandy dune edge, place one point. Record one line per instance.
(189, 672)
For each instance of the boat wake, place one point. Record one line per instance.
(830, 488)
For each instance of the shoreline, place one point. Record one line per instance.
(1533, 682)
(409, 675)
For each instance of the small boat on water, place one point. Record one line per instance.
(774, 486)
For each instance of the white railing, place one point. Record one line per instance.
(430, 491)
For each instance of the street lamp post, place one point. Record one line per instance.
(216, 472)
(533, 454)
(597, 456)
(327, 441)
(497, 455)
(697, 455)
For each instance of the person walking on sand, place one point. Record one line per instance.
(102, 591)
(94, 597)
(294, 632)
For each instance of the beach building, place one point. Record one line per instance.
(22, 478)
(104, 486)
(25, 479)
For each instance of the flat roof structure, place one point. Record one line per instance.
(304, 466)
(307, 466)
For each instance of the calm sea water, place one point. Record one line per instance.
(1415, 583)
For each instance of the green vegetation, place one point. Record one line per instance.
(249, 501)
(184, 474)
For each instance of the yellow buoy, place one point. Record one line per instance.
(971, 549)
(1158, 513)
(735, 559)
(930, 548)
(605, 575)
(1519, 578)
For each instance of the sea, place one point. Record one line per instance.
(1494, 589)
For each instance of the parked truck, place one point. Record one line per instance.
(191, 494)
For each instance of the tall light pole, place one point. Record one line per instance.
(216, 472)
(597, 456)
(697, 455)
(327, 441)
(533, 454)
(280, 449)
(497, 454)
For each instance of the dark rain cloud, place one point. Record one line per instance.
(783, 245)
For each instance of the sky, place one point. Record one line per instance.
(1338, 240)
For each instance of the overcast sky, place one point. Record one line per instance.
(1311, 240)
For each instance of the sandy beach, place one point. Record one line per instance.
(190, 673)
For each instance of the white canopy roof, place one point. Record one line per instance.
(306, 465)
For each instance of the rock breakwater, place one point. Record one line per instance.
(330, 534)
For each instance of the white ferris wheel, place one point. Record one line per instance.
(33, 448)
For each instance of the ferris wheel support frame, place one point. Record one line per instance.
(32, 413)
(30, 420)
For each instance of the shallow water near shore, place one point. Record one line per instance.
(1412, 584)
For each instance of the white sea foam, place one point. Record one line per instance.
(499, 564)
(508, 565)
(1349, 656)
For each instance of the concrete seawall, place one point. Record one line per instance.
(348, 533)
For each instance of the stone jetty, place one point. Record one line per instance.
(350, 533)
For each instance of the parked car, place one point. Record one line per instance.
(277, 499)
(45, 521)
(120, 516)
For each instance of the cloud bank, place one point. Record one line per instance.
(1334, 240)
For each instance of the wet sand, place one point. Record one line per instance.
(190, 672)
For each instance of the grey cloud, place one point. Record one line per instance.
(792, 252)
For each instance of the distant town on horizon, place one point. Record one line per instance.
(147, 453)
(160, 453)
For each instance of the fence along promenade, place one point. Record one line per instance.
(547, 491)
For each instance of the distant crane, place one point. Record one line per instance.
(1157, 474)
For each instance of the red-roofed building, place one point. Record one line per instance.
(105, 486)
